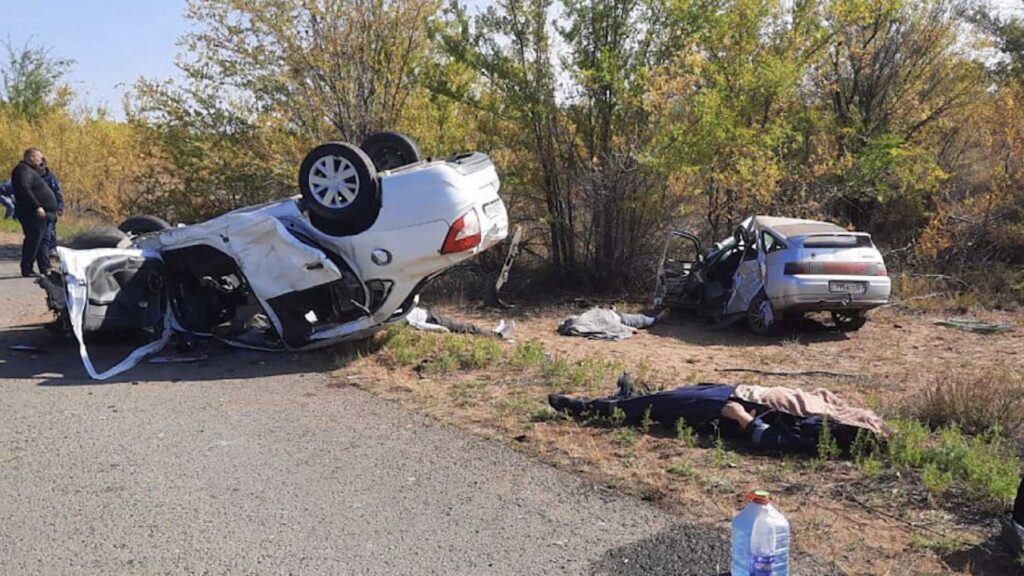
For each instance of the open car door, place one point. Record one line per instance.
(749, 277)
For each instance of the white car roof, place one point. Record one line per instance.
(790, 227)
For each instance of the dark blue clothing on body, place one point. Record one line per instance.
(701, 407)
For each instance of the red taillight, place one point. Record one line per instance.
(836, 268)
(463, 235)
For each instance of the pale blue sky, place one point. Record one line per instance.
(113, 42)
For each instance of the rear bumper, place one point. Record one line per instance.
(808, 293)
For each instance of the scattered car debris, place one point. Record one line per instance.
(178, 359)
(338, 263)
(774, 270)
(494, 290)
(792, 373)
(975, 326)
(26, 348)
(605, 324)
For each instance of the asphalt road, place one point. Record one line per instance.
(252, 463)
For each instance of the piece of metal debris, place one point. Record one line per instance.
(26, 348)
(976, 326)
(178, 359)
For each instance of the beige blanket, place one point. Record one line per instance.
(820, 402)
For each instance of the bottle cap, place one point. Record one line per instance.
(758, 497)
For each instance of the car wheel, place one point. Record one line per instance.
(103, 237)
(390, 150)
(143, 224)
(761, 316)
(339, 184)
(849, 320)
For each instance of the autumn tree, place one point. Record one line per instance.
(33, 81)
(265, 80)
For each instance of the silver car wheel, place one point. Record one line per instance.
(334, 182)
(760, 315)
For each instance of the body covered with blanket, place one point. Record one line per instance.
(773, 419)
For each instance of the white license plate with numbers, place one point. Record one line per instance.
(847, 287)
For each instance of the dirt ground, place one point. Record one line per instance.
(860, 525)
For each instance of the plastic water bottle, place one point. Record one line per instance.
(760, 539)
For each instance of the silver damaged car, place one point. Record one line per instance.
(774, 270)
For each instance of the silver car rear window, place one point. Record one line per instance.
(838, 241)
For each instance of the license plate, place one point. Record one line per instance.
(493, 209)
(848, 287)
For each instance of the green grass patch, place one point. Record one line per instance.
(685, 433)
(828, 448)
(942, 545)
(986, 465)
(681, 469)
(439, 352)
(68, 226)
(12, 226)
(595, 375)
(528, 354)
(625, 435)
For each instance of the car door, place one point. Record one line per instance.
(749, 277)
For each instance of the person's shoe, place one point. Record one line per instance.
(504, 330)
(563, 403)
(625, 386)
(29, 274)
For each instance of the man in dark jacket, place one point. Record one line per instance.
(50, 240)
(35, 205)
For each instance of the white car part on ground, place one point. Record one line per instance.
(74, 264)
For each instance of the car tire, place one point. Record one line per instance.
(761, 317)
(390, 150)
(849, 320)
(143, 224)
(340, 188)
(103, 237)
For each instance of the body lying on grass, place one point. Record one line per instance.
(431, 321)
(773, 419)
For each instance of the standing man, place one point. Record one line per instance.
(35, 206)
(50, 241)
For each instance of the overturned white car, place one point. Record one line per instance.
(345, 258)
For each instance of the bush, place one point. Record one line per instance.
(975, 401)
(986, 465)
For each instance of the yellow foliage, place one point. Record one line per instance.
(95, 158)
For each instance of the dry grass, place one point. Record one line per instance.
(843, 510)
(68, 226)
(976, 401)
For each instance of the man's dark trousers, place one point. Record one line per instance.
(33, 248)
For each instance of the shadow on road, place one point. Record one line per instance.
(55, 360)
(687, 550)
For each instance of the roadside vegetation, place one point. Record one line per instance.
(945, 464)
(948, 441)
(899, 118)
